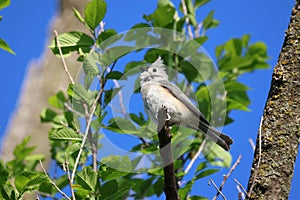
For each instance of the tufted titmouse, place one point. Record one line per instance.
(158, 91)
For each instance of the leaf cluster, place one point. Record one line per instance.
(98, 51)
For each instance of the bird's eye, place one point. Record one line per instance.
(154, 70)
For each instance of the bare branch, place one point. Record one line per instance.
(69, 177)
(195, 157)
(252, 143)
(227, 176)
(259, 158)
(62, 58)
(56, 187)
(187, 20)
(211, 181)
(240, 186)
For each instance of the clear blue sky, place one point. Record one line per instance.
(25, 27)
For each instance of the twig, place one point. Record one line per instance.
(211, 181)
(69, 177)
(94, 106)
(227, 176)
(56, 187)
(195, 157)
(73, 110)
(259, 158)
(165, 150)
(240, 186)
(251, 143)
(62, 58)
(187, 20)
(241, 195)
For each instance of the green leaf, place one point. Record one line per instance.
(110, 94)
(72, 41)
(104, 35)
(94, 12)
(205, 173)
(258, 49)
(199, 3)
(4, 46)
(234, 47)
(218, 157)
(209, 21)
(3, 173)
(121, 163)
(64, 134)
(163, 15)
(58, 100)
(4, 3)
(121, 125)
(133, 67)
(183, 192)
(21, 150)
(87, 179)
(47, 115)
(90, 64)
(78, 15)
(197, 198)
(116, 75)
(29, 181)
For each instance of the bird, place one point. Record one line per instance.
(157, 92)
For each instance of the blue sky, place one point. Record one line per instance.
(25, 27)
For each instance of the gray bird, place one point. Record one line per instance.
(158, 91)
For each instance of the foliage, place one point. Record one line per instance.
(81, 113)
(3, 44)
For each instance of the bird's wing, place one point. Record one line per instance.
(176, 92)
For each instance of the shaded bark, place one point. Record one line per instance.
(276, 151)
(43, 79)
(164, 136)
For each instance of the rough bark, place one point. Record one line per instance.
(44, 78)
(276, 151)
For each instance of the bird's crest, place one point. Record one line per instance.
(158, 63)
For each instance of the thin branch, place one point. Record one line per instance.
(241, 195)
(251, 143)
(69, 177)
(68, 107)
(227, 176)
(62, 58)
(195, 157)
(56, 187)
(240, 186)
(259, 158)
(211, 181)
(94, 106)
(187, 20)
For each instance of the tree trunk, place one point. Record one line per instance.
(44, 78)
(278, 139)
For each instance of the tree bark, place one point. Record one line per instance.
(44, 78)
(278, 139)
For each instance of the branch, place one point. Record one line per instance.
(240, 186)
(165, 151)
(94, 106)
(187, 20)
(52, 182)
(227, 176)
(62, 58)
(69, 177)
(195, 157)
(211, 181)
(259, 158)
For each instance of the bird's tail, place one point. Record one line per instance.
(218, 137)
